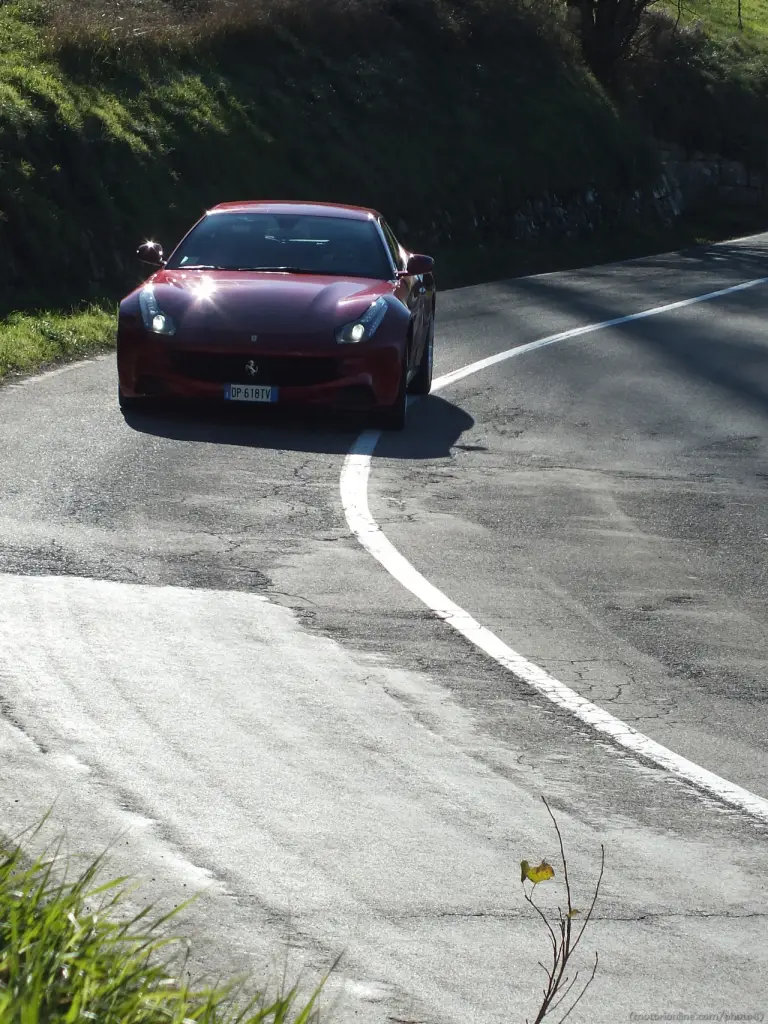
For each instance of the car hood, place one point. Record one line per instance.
(263, 303)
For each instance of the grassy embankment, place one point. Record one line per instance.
(125, 120)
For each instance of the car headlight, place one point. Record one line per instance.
(364, 328)
(154, 318)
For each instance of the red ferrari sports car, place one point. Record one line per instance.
(292, 303)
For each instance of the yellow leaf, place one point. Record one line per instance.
(538, 874)
(574, 912)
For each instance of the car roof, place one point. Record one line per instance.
(299, 209)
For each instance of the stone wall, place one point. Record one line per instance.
(582, 214)
(551, 216)
(702, 177)
(685, 181)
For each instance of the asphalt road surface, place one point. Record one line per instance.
(200, 663)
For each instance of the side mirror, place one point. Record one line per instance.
(151, 253)
(418, 265)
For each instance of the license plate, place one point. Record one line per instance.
(249, 393)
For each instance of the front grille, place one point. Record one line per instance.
(278, 371)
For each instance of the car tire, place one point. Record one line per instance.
(393, 417)
(422, 381)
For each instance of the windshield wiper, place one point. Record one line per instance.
(203, 266)
(263, 270)
(281, 270)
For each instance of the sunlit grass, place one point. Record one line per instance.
(68, 953)
(31, 340)
(720, 19)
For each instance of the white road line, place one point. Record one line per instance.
(500, 357)
(16, 384)
(354, 497)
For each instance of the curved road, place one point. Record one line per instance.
(199, 658)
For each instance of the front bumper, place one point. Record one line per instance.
(351, 377)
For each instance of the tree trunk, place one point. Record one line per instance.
(606, 28)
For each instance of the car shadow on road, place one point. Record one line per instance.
(434, 426)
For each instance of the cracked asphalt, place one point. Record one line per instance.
(201, 666)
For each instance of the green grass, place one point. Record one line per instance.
(720, 18)
(69, 953)
(29, 341)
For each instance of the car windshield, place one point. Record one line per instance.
(336, 246)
